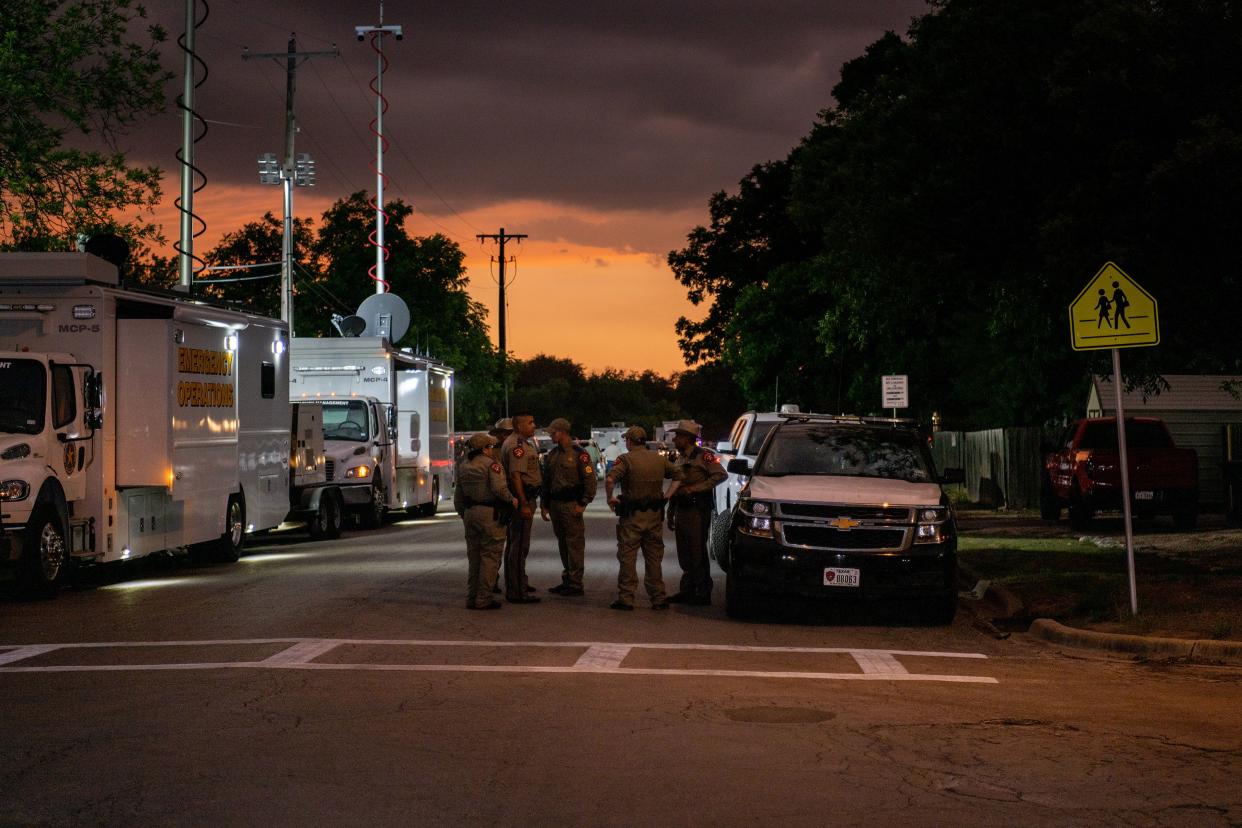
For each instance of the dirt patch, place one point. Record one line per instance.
(1188, 582)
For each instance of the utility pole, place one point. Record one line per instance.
(292, 169)
(502, 237)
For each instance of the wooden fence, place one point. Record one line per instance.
(1002, 465)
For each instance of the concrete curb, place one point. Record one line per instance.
(1198, 650)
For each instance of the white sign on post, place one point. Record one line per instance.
(896, 391)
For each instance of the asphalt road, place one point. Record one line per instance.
(344, 683)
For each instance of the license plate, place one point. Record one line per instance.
(1144, 495)
(839, 577)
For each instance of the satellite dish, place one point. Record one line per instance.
(386, 315)
(349, 325)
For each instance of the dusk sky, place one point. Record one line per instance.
(600, 130)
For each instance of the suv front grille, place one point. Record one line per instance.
(826, 537)
(830, 512)
(329, 470)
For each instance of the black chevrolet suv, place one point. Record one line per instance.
(841, 508)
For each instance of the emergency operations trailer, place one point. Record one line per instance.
(132, 422)
(409, 460)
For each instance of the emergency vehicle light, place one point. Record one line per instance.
(230, 342)
(278, 347)
(83, 311)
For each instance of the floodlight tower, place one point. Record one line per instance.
(377, 34)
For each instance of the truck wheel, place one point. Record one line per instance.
(718, 539)
(1080, 513)
(1186, 518)
(229, 547)
(373, 514)
(46, 560)
(431, 508)
(326, 523)
(1049, 503)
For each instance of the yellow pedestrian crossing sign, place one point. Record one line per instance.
(1113, 312)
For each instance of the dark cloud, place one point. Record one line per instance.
(646, 105)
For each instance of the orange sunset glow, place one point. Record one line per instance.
(601, 305)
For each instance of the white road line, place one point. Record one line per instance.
(29, 651)
(603, 656)
(302, 653)
(415, 642)
(496, 668)
(599, 658)
(879, 663)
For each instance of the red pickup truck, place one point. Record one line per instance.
(1084, 473)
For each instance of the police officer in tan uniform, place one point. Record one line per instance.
(520, 457)
(568, 486)
(690, 512)
(641, 474)
(481, 498)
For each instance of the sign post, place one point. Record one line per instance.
(1114, 312)
(895, 392)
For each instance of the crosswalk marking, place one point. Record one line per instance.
(597, 658)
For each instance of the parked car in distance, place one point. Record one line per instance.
(842, 508)
(1083, 474)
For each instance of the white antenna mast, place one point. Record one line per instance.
(377, 34)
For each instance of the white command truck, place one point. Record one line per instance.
(133, 422)
(388, 418)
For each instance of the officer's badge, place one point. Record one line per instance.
(70, 457)
(519, 452)
(496, 468)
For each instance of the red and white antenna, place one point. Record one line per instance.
(377, 34)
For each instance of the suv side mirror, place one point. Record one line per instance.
(725, 447)
(953, 476)
(739, 467)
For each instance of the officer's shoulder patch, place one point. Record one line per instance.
(496, 467)
(584, 458)
(711, 458)
(519, 452)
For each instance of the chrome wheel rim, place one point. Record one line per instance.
(236, 529)
(378, 497)
(51, 551)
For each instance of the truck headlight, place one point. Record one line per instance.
(11, 490)
(756, 518)
(358, 472)
(16, 452)
(932, 526)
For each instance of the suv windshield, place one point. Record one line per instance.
(23, 389)
(846, 450)
(345, 420)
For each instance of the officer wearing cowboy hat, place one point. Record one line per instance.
(479, 498)
(690, 512)
(568, 486)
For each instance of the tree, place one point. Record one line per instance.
(969, 180)
(258, 242)
(72, 67)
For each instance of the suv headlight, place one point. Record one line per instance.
(358, 472)
(756, 518)
(932, 526)
(11, 490)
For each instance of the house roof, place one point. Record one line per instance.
(1186, 392)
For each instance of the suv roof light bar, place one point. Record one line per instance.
(851, 419)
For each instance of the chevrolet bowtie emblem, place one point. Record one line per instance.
(844, 524)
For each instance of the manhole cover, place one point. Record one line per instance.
(779, 715)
